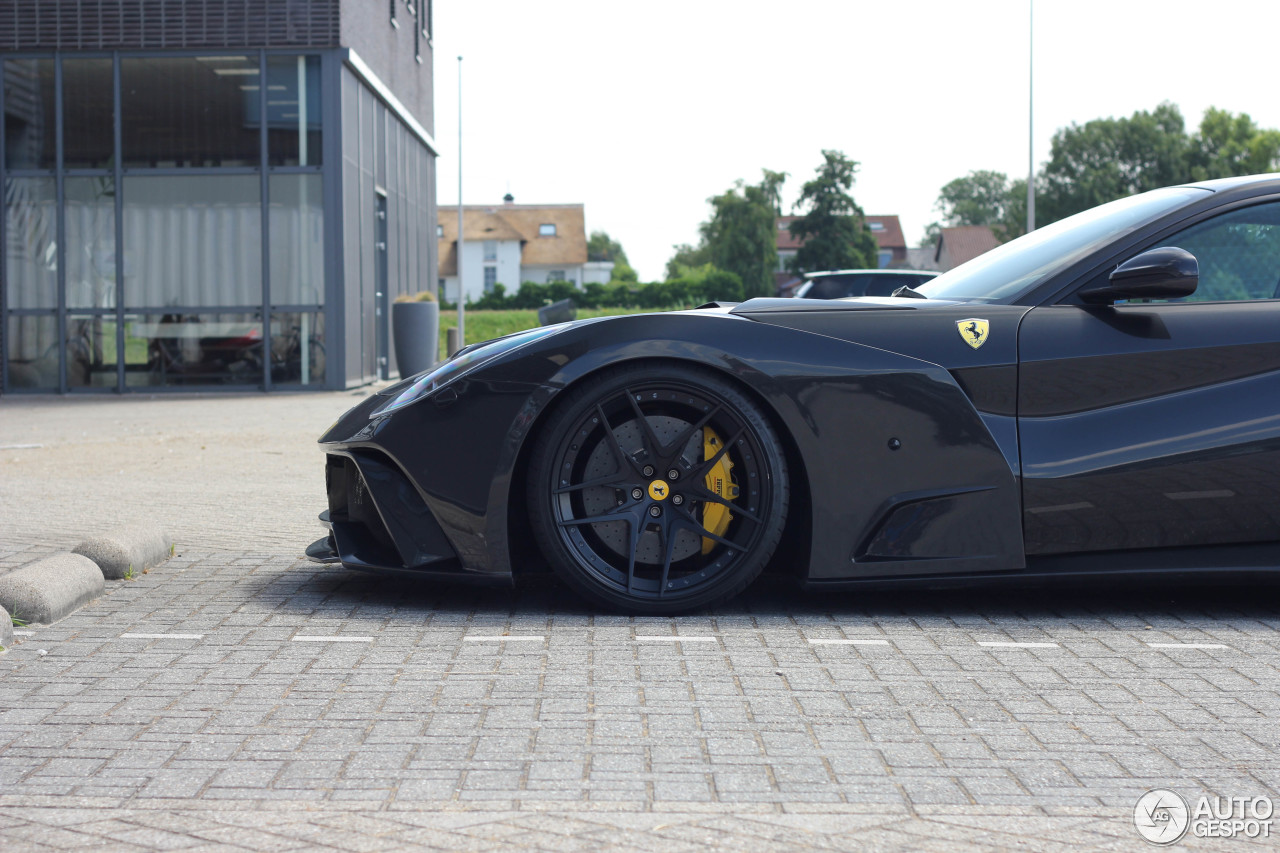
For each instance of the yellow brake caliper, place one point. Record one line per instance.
(716, 517)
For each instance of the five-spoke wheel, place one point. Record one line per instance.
(658, 491)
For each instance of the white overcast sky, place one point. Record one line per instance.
(641, 111)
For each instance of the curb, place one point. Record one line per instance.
(49, 589)
(127, 549)
(52, 588)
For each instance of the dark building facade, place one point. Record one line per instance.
(211, 193)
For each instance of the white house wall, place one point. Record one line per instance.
(511, 274)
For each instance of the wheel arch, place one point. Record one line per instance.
(525, 555)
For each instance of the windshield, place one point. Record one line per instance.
(1021, 264)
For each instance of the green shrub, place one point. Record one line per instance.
(698, 285)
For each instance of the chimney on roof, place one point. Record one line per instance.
(508, 199)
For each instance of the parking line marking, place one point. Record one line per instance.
(849, 642)
(332, 639)
(162, 636)
(1001, 644)
(665, 638)
(1187, 645)
(24, 633)
(501, 638)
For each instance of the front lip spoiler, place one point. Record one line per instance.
(322, 551)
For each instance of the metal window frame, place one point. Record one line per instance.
(117, 120)
(264, 193)
(331, 154)
(4, 262)
(331, 194)
(60, 218)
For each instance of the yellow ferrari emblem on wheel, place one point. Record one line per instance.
(658, 490)
(973, 331)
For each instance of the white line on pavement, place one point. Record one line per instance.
(1007, 645)
(666, 638)
(332, 639)
(162, 636)
(24, 633)
(500, 638)
(849, 642)
(1187, 645)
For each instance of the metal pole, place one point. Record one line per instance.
(1031, 145)
(462, 296)
(300, 249)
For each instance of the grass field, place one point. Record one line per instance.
(484, 325)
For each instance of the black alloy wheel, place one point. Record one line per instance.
(658, 490)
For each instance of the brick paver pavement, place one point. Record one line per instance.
(239, 697)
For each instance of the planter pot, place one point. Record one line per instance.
(415, 330)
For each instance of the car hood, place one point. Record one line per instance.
(772, 305)
(927, 329)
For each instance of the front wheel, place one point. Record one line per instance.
(658, 490)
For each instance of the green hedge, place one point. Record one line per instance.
(715, 286)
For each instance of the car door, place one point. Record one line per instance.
(1157, 423)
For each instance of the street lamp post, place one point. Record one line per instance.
(1031, 144)
(462, 295)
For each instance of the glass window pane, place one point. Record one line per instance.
(31, 242)
(297, 240)
(190, 111)
(193, 349)
(1238, 253)
(30, 128)
(33, 351)
(293, 110)
(88, 130)
(91, 351)
(91, 242)
(297, 348)
(192, 241)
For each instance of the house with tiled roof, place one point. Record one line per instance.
(511, 243)
(891, 245)
(886, 229)
(962, 243)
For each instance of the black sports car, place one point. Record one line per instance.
(1099, 396)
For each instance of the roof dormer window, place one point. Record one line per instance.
(547, 229)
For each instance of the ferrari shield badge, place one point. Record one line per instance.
(973, 331)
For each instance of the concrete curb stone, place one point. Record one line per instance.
(136, 546)
(6, 629)
(49, 589)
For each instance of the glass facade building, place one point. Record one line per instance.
(229, 212)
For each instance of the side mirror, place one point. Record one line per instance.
(1165, 273)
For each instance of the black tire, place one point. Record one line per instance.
(655, 553)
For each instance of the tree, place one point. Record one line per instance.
(979, 198)
(982, 198)
(1230, 145)
(740, 235)
(832, 230)
(1110, 158)
(601, 247)
(688, 258)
